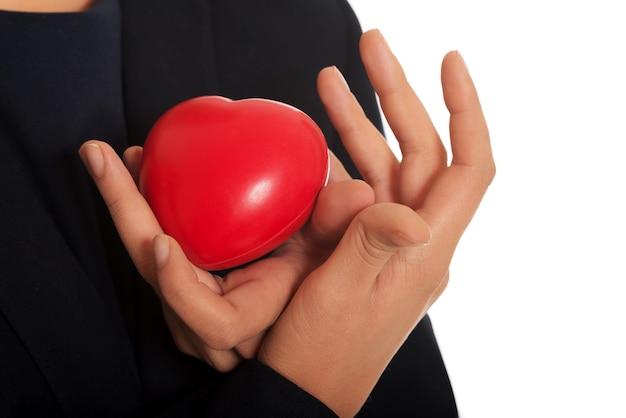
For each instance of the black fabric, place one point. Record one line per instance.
(60, 84)
(81, 334)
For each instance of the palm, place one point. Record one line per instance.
(444, 195)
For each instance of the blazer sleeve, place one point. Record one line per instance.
(252, 390)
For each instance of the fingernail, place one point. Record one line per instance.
(415, 238)
(382, 38)
(427, 237)
(161, 249)
(463, 61)
(92, 157)
(381, 54)
(339, 76)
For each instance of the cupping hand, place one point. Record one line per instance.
(220, 320)
(350, 315)
(358, 277)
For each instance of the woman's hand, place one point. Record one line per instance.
(220, 320)
(350, 315)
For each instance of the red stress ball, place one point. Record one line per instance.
(231, 180)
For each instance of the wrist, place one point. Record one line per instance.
(340, 384)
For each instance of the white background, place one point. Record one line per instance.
(533, 321)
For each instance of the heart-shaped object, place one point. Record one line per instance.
(231, 180)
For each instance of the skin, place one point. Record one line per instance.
(241, 306)
(45, 6)
(350, 316)
(342, 295)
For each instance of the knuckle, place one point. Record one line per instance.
(486, 173)
(490, 171)
(224, 335)
(170, 290)
(221, 363)
(221, 360)
(249, 349)
(440, 156)
(115, 204)
(370, 249)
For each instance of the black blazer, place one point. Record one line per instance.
(70, 344)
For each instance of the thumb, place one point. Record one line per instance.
(337, 205)
(375, 235)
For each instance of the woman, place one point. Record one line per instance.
(82, 332)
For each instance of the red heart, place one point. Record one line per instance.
(232, 180)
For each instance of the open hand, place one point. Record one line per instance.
(350, 315)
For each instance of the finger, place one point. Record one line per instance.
(469, 134)
(133, 218)
(424, 156)
(222, 361)
(132, 160)
(250, 348)
(374, 236)
(221, 322)
(337, 204)
(337, 171)
(458, 192)
(403, 110)
(190, 344)
(366, 146)
(200, 307)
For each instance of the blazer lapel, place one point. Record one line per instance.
(54, 307)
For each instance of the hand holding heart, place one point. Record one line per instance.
(219, 320)
(356, 279)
